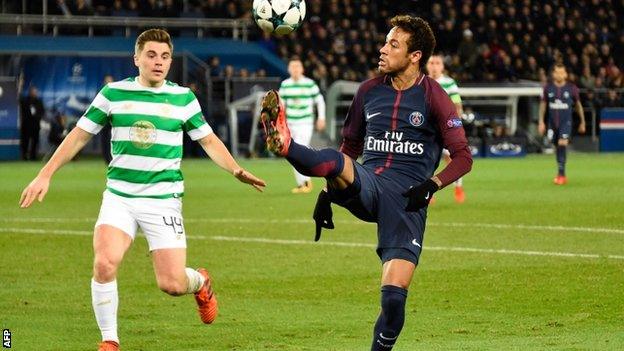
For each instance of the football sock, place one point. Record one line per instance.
(391, 318)
(561, 159)
(301, 179)
(195, 280)
(459, 182)
(105, 300)
(327, 163)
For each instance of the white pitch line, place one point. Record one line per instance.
(332, 243)
(557, 228)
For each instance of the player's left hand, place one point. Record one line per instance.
(581, 128)
(248, 178)
(420, 195)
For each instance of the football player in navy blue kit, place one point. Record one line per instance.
(558, 99)
(399, 122)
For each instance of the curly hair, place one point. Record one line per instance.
(421, 36)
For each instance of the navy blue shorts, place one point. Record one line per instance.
(562, 131)
(378, 199)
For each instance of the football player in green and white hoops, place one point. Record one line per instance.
(300, 94)
(148, 115)
(435, 69)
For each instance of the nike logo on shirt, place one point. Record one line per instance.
(371, 115)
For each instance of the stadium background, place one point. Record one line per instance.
(513, 267)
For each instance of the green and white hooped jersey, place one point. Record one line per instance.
(450, 86)
(298, 97)
(146, 139)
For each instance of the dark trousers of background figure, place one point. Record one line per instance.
(29, 143)
(106, 143)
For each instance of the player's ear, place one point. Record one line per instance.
(415, 56)
(136, 60)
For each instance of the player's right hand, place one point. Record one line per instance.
(541, 128)
(322, 214)
(37, 189)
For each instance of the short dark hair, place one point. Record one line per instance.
(421, 36)
(295, 58)
(558, 65)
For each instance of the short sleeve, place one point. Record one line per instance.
(195, 124)
(97, 115)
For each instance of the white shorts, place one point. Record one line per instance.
(159, 219)
(301, 133)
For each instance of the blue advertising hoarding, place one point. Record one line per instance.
(612, 129)
(9, 129)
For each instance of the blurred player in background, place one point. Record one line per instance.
(144, 187)
(299, 94)
(399, 122)
(561, 97)
(435, 69)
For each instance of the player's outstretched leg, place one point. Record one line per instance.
(327, 163)
(205, 298)
(391, 318)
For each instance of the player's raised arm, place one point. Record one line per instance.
(214, 147)
(38, 187)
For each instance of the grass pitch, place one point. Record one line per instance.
(522, 265)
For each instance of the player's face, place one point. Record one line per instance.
(153, 62)
(560, 74)
(394, 56)
(435, 66)
(295, 69)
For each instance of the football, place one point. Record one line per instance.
(279, 16)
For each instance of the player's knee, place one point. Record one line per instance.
(171, 286)
(104, 269)
(563, 142)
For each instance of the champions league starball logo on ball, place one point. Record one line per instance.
(416, 119)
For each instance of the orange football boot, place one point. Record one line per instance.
(460, 195)
(273, 116)
(108, 346)
(206, 300)
(560, 180)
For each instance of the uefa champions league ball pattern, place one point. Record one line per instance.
(279, 16)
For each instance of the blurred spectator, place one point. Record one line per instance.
(215, 67)
(57, 133)
(612, 99)
(467, 50)
(31, 113)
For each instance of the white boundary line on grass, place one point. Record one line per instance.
(332, 243)
(309, 221)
